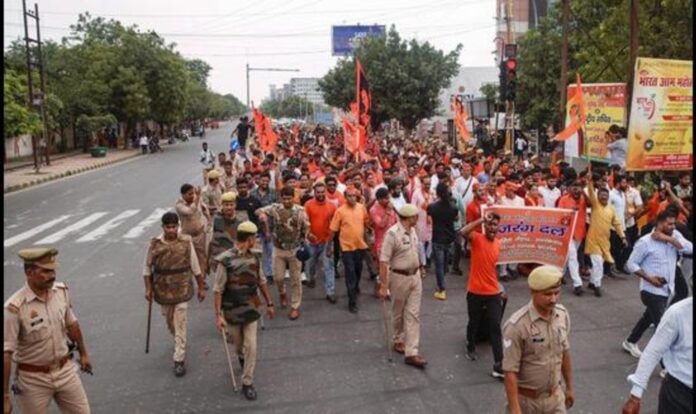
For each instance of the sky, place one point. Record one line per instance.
(288, 34)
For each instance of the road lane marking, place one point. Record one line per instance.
(108, 226)
(72, 228)
(33, 232)
(139, 229)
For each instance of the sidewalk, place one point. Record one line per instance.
(24, 177)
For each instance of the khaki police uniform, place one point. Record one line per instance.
(35, 334)
(175, 315)
(400, 251)
(193, 223)
(533, 348)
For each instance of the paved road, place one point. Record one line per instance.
(328, 361)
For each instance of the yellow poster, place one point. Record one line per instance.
(661, 119)
(606, 105)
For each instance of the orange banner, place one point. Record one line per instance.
(264, 131)
(460, 118)
(534, 234)
(577, 112)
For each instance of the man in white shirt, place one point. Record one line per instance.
(617, 146)
(464, 184)
(550, 192)
(396, 196)
(673, 344)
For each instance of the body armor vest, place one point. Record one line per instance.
(240, 300)
(172, 277)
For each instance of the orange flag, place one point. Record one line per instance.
(577, 113)
(351, 138)
(264, 131)
(460, 118)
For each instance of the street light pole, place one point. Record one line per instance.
(249, 69)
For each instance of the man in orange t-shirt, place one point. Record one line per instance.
(484, 293)
(350, 222)
(320, 212)
(575, 200)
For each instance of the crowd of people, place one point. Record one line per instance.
(266, 219)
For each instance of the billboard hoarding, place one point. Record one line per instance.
(344, 38)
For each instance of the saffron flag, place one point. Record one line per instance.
(351, 138)
(264, 131)
(460, 118)
(363, 105)
(577, 111)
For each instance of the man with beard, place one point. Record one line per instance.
(246, 203)
(289, 230)
(320, 212)
(550, 192)
(575, 200)
(654, 260)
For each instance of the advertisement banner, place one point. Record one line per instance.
(606, 105)
(661, 119)
(344, 38)
(533, 234)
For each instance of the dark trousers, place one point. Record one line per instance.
(655, 306)
(490, 309)
(617, 252)
(675, 397)
(632, 238)
(457, 256)
(441, 253)
(352, 263)
(336, 253)
(681, 289)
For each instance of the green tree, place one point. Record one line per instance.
(290, 107)
(406, 78)
(17, 118)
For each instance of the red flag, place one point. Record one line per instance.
(577, 113)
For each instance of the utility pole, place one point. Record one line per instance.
(249, 69)
(564, 61)
(38, 100)
(634, 54)
(509, 106)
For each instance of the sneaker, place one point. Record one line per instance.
(440, 295)
(577, 291)
(287, 275)
(179, 369)
(249, 392)
(631, 349)
(498, 371)
(303, 277)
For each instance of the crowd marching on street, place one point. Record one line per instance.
(267, 224)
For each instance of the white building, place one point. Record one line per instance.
(307, 88)
(466, 84)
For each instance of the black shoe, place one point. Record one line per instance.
(241, 361)
(331, 298)
(179, 369)
(269, 280)
(305, 282)
(353, 308)
(591, 286)
(611, 273)
(373, 276)
(498, 371)
(357, 290)
(471, 355)
(457, 271)
(598, 292)
(311, 284)
(249, 392)
(577, 291)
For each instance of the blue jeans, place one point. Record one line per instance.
(441, 253)
(266, 258)
(317, 252)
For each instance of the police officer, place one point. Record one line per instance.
(194, 216)
(37, 318)
(290, 226)
(225, 224)
(212, 193)
(237, 281)
(536, 351)
(170, 265)
(400, 270)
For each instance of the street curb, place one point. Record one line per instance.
(67, 173)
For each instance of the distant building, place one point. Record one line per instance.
(467, 84)
(525, 16)
(307, 88)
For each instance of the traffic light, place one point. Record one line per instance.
(503, 81)
(510, 79)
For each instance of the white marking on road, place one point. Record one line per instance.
(72, 228)
(33, 232)
(107, 227)
(139, 229)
